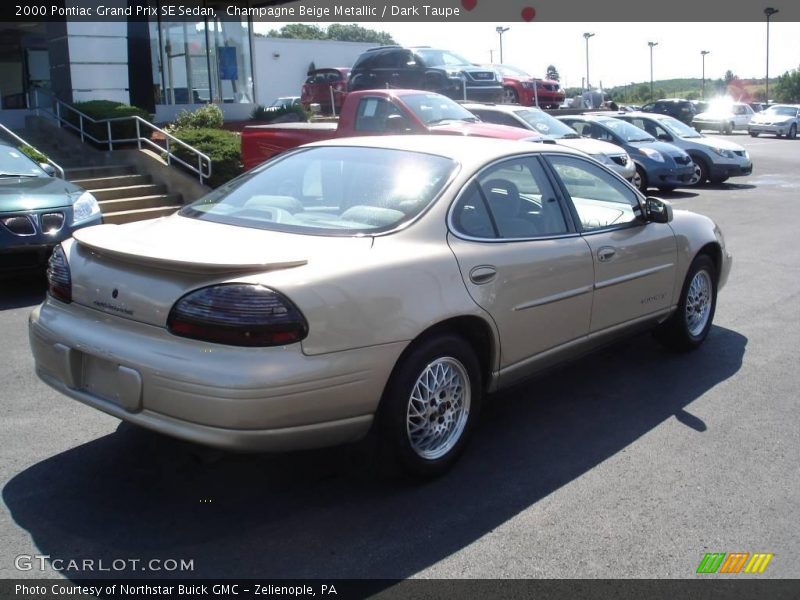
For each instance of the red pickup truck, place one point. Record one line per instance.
(376, 112)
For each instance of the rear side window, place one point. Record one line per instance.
(372, 114)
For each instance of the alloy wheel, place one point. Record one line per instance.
(438, 408)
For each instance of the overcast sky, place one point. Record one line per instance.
(618, 53)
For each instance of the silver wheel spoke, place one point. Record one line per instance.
(438, 408)
(698, 302)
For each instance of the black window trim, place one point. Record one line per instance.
(557, 191)
(638, 222)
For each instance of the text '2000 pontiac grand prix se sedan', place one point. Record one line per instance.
(369, 284)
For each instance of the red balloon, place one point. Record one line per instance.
(528, 13)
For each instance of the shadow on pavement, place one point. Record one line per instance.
(17, 291)
(329, 513)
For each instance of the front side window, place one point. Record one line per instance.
(600, 199)
(331, 190)
(511, 200)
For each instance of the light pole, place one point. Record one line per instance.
(652, 45)
(769, 11)
(500, 31)
(586, 36)
(703, 54)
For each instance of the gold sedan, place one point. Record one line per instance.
(370, 284)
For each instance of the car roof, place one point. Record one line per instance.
(463, 149)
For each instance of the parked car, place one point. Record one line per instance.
(37, 211)
(758, 106)
(425, 68)
(377, 112)
(521, 88)
(725, 117)
(779, 119)
(714, 159)
(283, 102)
(681, 109)
(658, 164)
(357, 284)
(700, 106)
(318, 86)
(533, 119)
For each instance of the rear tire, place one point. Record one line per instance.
(510, 96)
(667, 188)
(688, 327)
(430, 405)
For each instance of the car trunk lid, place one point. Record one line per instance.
(138, 271)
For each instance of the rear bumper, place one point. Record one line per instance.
(244, 399)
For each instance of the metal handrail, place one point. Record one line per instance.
(202, 169)
(51, 162)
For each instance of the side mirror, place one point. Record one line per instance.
(657, 210)
(48, 168)
(665, 137)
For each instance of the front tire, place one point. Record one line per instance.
(431, 404)
(640, 179)
(688, 327)
(700, 172)
(727, 129)
(754, 133)
(792, 132)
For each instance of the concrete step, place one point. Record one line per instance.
(139, 203)
(99, 171)
(129, 191)
(128, 216)
(115, 181)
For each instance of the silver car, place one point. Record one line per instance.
(383, 283)
(778, 119)
(527, 117)
(715, 159)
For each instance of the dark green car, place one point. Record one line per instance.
(37, 211)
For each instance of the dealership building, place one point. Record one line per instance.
(161, 65)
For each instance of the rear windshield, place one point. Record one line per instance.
(331, 190)
(325, 76)
(545, 124)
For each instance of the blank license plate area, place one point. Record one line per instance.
(112, 382)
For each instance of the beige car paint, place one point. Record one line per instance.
(366, 298)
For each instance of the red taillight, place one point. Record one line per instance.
(59, 279)
(238, 315)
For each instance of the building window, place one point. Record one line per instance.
(201, 61)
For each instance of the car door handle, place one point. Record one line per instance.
(606, 253)
(482, 274)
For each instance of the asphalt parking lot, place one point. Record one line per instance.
(633, 462)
